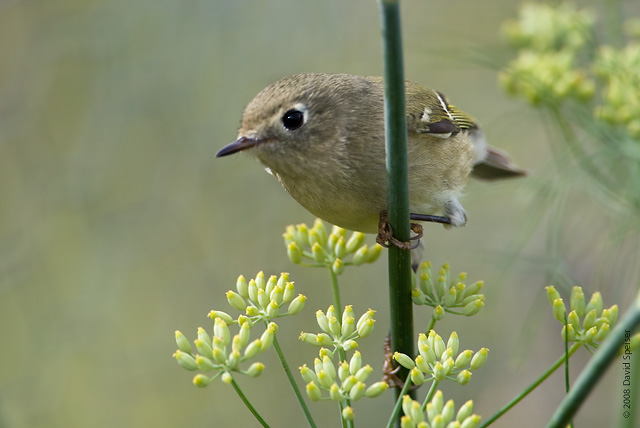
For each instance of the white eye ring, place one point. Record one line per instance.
(303, 108)
(295, 117)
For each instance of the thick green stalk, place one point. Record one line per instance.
(533, 386)
(597, 366)
(246, 402)
(293, 384)
(401, 309)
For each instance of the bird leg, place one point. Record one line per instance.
(431, 218)
(385, 233)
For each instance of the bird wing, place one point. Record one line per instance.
(429, 112)
(433, 114)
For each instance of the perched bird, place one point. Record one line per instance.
(322, 137)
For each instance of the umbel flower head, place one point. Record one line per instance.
(347, 381)
(560, 58)
(439, 414)
(543, 27)
(546, 78)
(264, 299)
(618, 69)
(586, 323)
(445, 294)
(340, 333)
(314, 247)
(223, 353)
(439, 361)
(549, 39)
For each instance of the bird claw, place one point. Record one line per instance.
(385, 234)
(389, 372)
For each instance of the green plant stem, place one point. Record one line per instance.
(401, 306)
(429, 396)
(246, 402)
(395, 414)
(345, 424)
(432, 324)
(335, 290)
(596, 367)
(531, 387)
(567, 381)
(293, 383)
(345, 403)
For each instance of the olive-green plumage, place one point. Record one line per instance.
(322, 136)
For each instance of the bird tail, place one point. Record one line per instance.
(496, 165)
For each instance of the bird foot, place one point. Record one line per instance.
(385, 234)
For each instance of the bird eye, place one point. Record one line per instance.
(293, 119)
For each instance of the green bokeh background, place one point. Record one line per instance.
(118, 225)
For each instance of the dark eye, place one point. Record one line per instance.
(293, 119)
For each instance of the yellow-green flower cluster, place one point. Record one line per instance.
(340, 333)
(559, 58)
(619, 69)
(445, 295)
(549, 39)
(596, 321)
(439, 361)
(264, 299)
(546, 77)
(544, 27)
(314, 247)
(346, 382)
(439, 414)
(223, 353)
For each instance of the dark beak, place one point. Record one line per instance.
(239, 145)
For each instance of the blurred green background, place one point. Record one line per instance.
(118, 225)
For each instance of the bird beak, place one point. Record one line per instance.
(239, 145)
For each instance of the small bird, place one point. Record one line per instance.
(322, 136)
